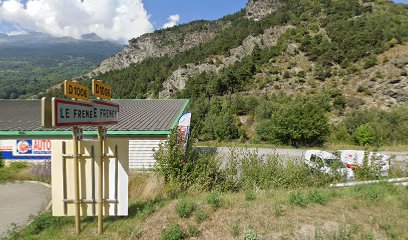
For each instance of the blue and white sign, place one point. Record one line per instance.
(26, 149)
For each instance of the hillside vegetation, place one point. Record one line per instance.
(32, 63)
(327, 62)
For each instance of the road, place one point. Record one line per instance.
(224, 152)
(19, 201)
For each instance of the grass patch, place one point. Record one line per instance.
(250, 195)
(192, 230)
(251, 235)
(278, 210)
(318, 196)
(298, 199)
(320, 213)
(174, 232)
(23, 171)
(235, 229)
(200, 215)
(185, 207)
(214, 199)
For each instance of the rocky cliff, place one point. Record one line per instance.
(256, 9)
(161, 43)
(177, 81)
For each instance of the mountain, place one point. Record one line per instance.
(336, 55)
(33, 62)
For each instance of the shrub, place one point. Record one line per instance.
(185, 207)
(174, 232)
(18, 165)
(298, 199)
(214, 199)
(366, 171)
(269, 172)
(300, 121)
(183, 169)
(365, 135)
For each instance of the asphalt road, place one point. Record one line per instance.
(19, 201)
(297, 154)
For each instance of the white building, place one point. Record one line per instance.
(145, 123)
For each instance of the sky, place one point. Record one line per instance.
(118, 20)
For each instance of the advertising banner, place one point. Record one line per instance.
(27, 149)
(184, 129)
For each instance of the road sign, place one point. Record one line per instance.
(77, 113)
(75, 90)
(101, 90)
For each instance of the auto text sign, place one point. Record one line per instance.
(79, 113)
(35, 147)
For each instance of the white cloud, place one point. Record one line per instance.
(172, 21)
(110, 19)
(18, 32)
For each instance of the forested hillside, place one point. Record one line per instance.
(300, 73)
(36, 61)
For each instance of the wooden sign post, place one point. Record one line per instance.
(101, 91)
(64, 113)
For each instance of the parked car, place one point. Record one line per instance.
(326, 162)
(355, 158)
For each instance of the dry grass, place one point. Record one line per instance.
(377, 212)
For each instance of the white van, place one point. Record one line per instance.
(326, 162)
(355, 158)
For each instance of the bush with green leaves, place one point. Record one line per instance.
(270, 172)
(185, 168)
(373, 127)
(297, 121)
(367, 170)
(365, 135)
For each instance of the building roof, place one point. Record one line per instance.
(23, 117)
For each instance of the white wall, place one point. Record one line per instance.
(141, 152)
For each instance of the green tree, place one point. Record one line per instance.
(299, 122)
(365, 135)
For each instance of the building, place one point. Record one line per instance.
(145, 123)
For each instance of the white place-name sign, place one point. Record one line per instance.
(78, 113)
